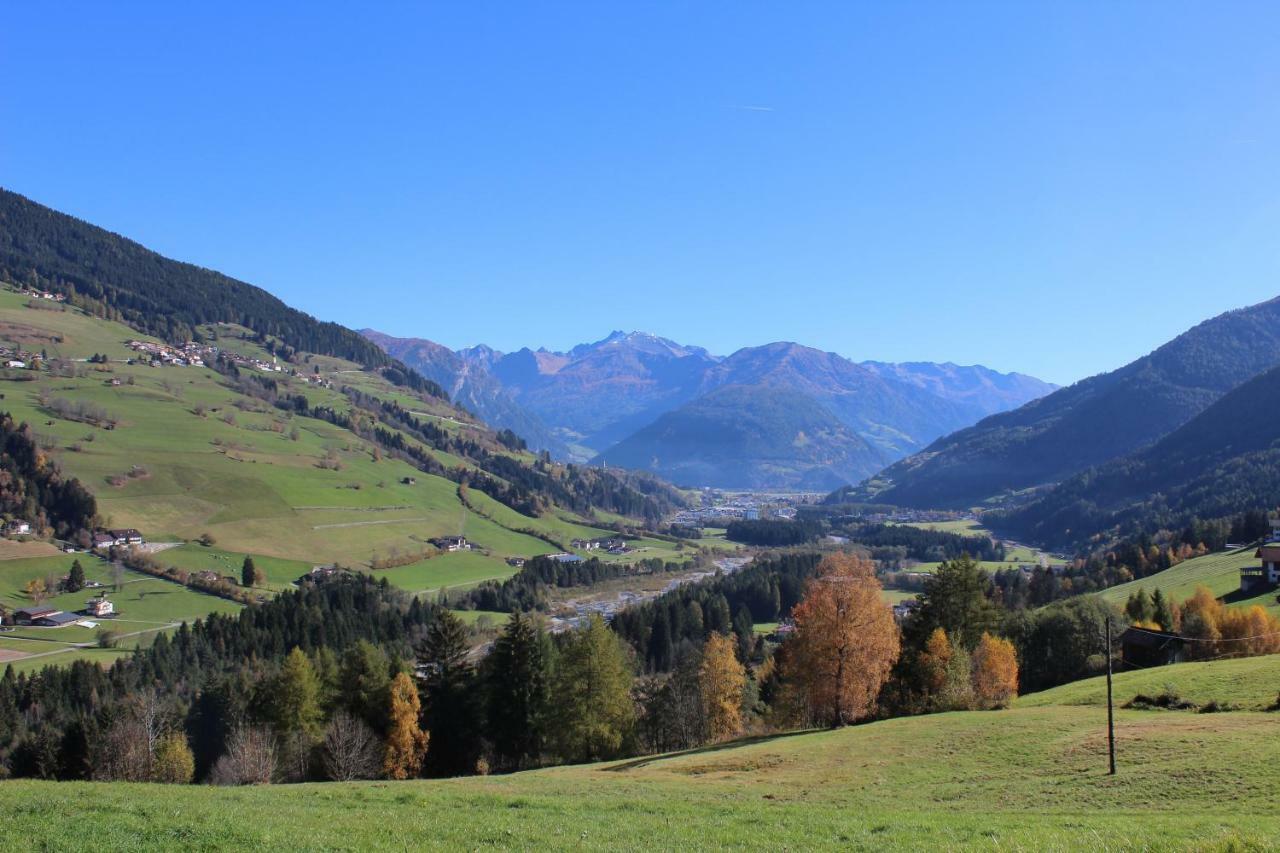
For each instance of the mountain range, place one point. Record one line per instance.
(637, 400)
(1100, 419)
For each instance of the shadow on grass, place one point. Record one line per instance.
(710, 748)
(1236, 595)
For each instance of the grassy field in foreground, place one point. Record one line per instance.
(1025, 778)
(1219, 572)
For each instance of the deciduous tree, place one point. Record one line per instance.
(720, 679)
(845, 640)
(351, 749)
(406, 741)
(250, 758)
(174, 762)
(995, 672)
(596, 715)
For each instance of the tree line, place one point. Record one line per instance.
(530, 588)
(33, 489)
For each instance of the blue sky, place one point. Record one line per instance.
(1052, 188)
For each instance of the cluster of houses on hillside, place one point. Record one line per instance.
(16, 358)
(193, 354)
(187, 355)
(121, 538)
(613, 545)
(43, 294)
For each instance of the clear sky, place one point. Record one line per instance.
(1055, 188)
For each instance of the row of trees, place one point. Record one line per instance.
(1213, 629)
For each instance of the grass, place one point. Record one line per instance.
(471, 617)
(1032, 777)
(454, 570)
(1251, 683)
(1219, 572)
(213, 461)
(894, 596)
(145, 606)
(279, 572)
(965, 527)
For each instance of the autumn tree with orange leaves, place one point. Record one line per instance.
(995, 672)
(845, 640)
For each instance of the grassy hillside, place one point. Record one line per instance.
(1219, 572)
(1030, 777)
(1251, 683)
(189, 454)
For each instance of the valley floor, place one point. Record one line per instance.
(1033, 777)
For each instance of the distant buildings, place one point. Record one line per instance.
(613, 545)
(320, 574)
(44, 617)
(100, 607)
(103, 539)
(1260, 578)
(452, 543)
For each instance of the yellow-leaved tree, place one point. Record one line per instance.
(406, 741)
(720, 679)
(994, 672)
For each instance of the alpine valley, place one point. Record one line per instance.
(777, 416)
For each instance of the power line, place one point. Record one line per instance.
(1171, 636)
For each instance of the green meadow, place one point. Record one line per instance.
(259, 480)
(189, 457)
(1030, 777)
(1219, 572)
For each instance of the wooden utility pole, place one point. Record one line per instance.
(1111, 724)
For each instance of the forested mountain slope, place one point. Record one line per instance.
(749, 437)
(114, 277)
(1088, 423)
(1224, 460)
